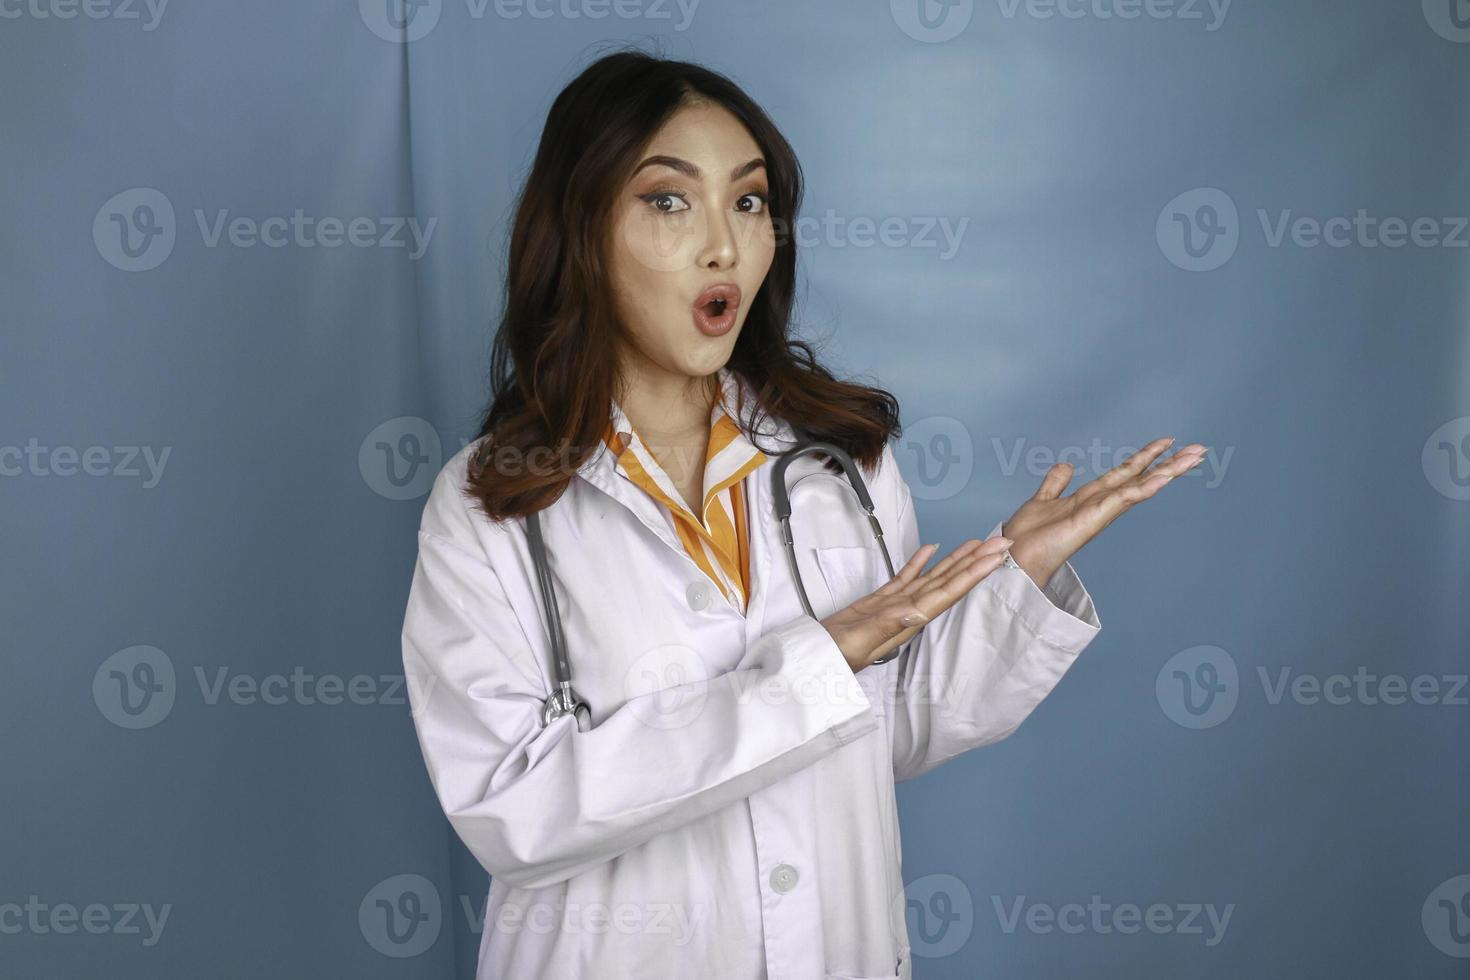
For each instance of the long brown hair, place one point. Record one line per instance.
(553, 371)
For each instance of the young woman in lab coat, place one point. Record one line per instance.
(730, 811)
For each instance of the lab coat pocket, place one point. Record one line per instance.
(851, 572)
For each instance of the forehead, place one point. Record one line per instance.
(709, 136)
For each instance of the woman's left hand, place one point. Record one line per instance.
(1049, 528)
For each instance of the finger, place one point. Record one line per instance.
(895, 585)
(901, 616)
(959, 579)
(932, 602)
(969, 552)
(1126, 470)
(909, 571)
(1180, 462)
(1109, 507)
(1054, 482)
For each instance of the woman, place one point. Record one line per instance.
(729, 812)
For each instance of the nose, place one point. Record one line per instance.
(721, 249)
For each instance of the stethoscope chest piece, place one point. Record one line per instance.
(563, 700)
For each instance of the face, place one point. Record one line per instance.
(693, 216)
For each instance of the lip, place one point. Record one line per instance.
(711, 325)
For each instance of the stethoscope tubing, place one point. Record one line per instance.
(564, 700)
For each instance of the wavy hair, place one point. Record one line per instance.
(553, 370)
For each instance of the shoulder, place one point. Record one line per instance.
(451, 513)
(890, 489)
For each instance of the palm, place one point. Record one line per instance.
(1049, 528)
(885, 619)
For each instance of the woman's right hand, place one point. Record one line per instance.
(884, 620)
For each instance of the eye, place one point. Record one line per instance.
(660, 198)
(757, 207)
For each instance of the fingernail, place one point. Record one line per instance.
(1007, 542)
(912, 619)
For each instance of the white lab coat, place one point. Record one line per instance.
(731, 813)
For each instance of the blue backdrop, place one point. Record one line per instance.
(250, 259)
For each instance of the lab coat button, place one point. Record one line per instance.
(698, 595)
(783, 877)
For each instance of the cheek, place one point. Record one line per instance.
(658, 242)
(647, 303)
(764, 240)
(760, 251)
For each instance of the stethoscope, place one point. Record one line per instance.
(565, 701)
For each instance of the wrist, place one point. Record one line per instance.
(1036, 570)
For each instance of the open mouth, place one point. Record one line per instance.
(714, 309)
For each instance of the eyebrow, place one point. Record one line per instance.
(691, 171)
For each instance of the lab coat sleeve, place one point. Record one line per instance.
(978, 670)
(535, 804)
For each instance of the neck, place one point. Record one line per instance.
(667, 408)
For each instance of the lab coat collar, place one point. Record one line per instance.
(773, 437)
